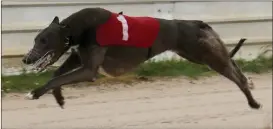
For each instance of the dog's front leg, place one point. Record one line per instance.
(72, 62)
(78, 75)
(86, 72)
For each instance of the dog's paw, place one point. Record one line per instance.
(255, 105)
(61, 102)
(29, 96)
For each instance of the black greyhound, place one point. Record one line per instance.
(193, 40)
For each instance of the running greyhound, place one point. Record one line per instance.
(114, 43)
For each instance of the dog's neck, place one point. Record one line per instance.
(83, 20)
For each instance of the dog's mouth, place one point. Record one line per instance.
(43, 62)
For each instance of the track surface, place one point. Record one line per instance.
(213, 102)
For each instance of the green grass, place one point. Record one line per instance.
(24, 82)
(170, 68)
(259, 65)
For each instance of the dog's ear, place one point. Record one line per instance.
(56, 20)
(120, 13)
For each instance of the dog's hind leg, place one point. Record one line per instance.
(231, 54)
(72, 62)
(188, 57)
(228, 70)
(221, 62)
(239, 71)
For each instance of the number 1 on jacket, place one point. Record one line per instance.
(125, 35)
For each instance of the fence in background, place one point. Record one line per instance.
(232, 20)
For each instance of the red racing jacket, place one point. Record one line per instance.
(129, 31)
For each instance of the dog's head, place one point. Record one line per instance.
(49, 45)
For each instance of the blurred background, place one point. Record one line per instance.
(21, 22)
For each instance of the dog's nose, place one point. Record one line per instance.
(26, 61)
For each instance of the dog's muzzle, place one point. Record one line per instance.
(43, 62)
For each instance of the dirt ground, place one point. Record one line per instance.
(212, 102)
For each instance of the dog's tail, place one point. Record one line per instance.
(237, 47)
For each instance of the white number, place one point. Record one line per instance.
(125, 28)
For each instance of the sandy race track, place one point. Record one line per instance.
(210, 103)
